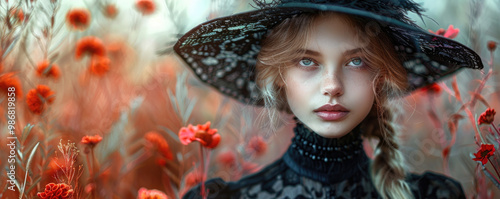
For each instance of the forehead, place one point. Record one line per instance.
(333, 30)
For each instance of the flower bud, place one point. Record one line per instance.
(492, 45)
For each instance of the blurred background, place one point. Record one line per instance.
(100, 98)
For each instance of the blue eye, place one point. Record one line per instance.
(306, 62)
(358, 62)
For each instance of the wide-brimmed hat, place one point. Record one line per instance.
(223, 52)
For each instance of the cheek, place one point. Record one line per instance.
(362, 89)
(297, 89)
(293, 89)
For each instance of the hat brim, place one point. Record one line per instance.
(222, 52)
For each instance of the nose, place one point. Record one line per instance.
(332, 85)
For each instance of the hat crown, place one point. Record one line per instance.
(396, 9)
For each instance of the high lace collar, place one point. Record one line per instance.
(329, 160)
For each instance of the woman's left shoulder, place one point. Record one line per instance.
(434, 185)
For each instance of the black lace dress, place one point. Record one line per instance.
(318, 167)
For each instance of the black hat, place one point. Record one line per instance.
(222, 52)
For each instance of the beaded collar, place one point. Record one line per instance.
(328, 160)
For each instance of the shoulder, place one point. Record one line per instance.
(218, 188)
(433, 185)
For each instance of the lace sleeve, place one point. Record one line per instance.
(434, 185)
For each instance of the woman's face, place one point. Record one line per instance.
(332, 72)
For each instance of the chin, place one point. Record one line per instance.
(330, 130)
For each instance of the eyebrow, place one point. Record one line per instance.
(345, 53)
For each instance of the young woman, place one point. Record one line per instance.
(333, 65)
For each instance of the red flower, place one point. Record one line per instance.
(492, 45)
(159, 143)
(56, 191)
(441, 32)
(45, 69)
(91, 140)
(78, 19)
(257, 145)
(151, 194)
(110, 11)
(37, 104)
(9, 80)
(450, 33)
(90, 45)
(89, 188)
(201, 133)
(99, 65)
(161, 162)
(54, 167)
(146, 7)
(485, 151)
(227, 159)
(432, 88)
(487, 116)
(17, 15)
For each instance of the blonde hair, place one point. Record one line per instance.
(281, 45)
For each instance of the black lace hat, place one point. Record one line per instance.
(222, 52)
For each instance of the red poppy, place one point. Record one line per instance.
(485, 151)
(37, 104)
(78, 18)
(492, 45)
(441, 32)
(110, 11)
(99, 65)
(161, 162)
(201, 133)
(151, 194)
(227, 158)
(487, 116)
(89, 188)
(155, 139)
(450, 33)
(17, 15)
(8, 80)
(257, 145)
(146, 7)
(56, 191)
(91, 140)
(90, 45)
(43, 70)
(54, 167)
(432, 88)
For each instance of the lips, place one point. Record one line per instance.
(331, 112)
(331, 108)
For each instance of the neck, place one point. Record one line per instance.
(328, 160)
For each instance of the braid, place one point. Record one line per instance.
(387, 168)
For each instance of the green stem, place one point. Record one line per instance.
(203, 194)
(495, 128)
(93, 168)
(494, 167)
(478, 131)
(493, 179)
